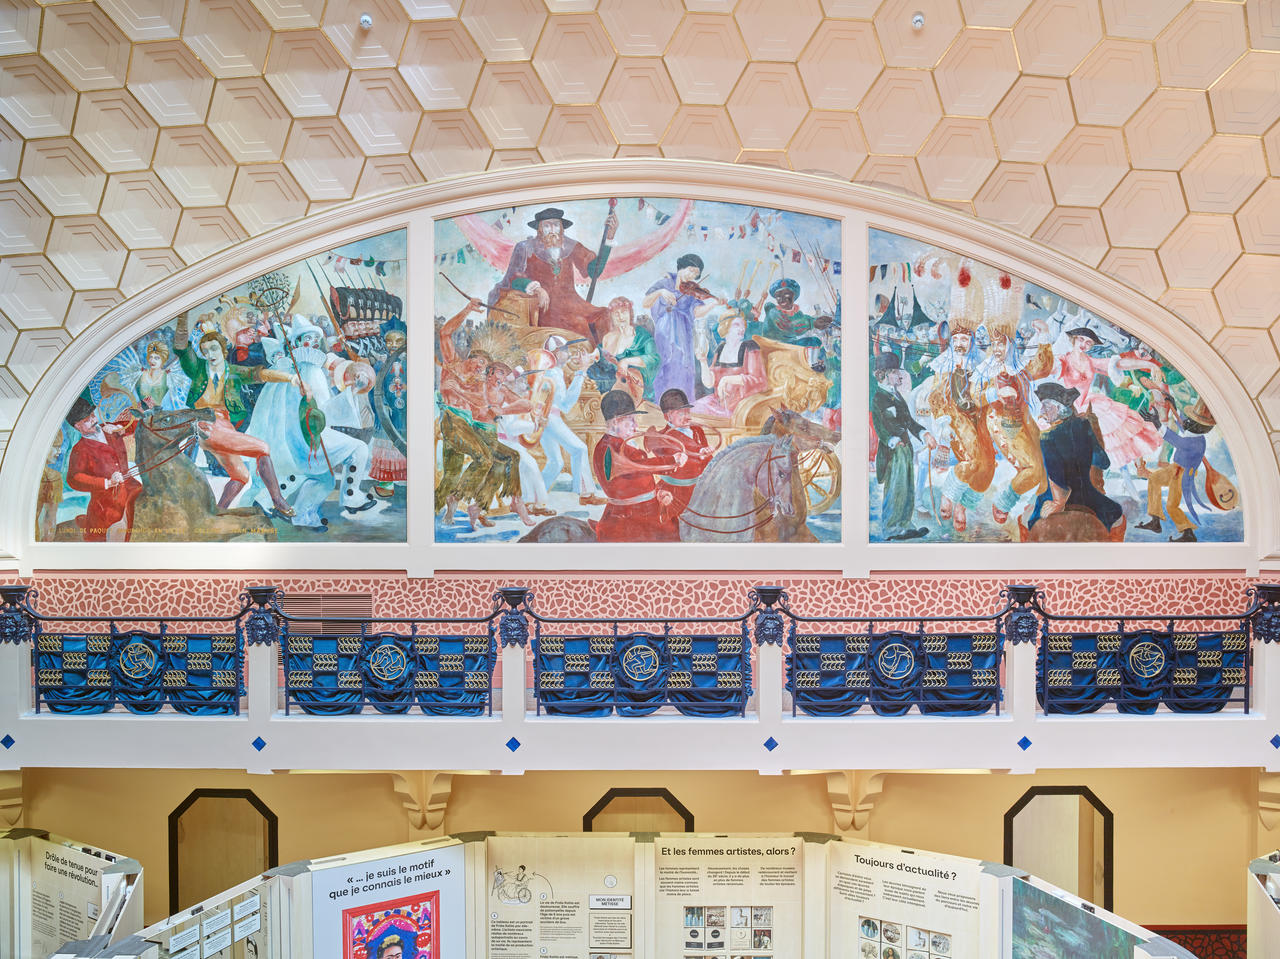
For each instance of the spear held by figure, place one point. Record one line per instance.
(604, 245)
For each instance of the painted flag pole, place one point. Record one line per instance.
(604, 239)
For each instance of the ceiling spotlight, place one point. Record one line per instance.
(917, 20)
(366, 21)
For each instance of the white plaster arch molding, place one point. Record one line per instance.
(859, 207)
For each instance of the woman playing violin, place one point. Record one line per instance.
(675, 302)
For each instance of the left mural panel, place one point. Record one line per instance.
(273, 412)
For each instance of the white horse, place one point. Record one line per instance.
(743, 493)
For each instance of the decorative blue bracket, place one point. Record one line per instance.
(18, 622)
(513, 627)
(1023, 623)
(1265, 614)
(770, 628)
(263, 624)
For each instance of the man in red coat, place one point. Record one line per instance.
(637, 511)
(682, 433)
(545, 264)
(99, 466)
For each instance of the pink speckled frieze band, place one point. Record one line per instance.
(670, 595)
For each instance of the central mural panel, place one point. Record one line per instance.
(638, 370)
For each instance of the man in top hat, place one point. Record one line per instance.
(959, 419)
(1072, 451)
(1177, 472)
(99, 465)
(636, 510)
(545, 265)
(682, 433)
(895, 457)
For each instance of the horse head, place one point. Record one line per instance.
(773, 482)
(160, 429)
(808, 434)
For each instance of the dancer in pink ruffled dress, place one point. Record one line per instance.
(1125, 435)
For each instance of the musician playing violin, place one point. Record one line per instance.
(676, 302)
(99, 466)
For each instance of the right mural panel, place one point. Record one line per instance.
(1002, 412)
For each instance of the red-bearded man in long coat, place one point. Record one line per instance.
(545, 265)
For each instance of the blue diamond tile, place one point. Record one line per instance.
(1275, 742)
(259, 744)
(513, 744)
(1024, 744)
(8, 741)
(771, 744)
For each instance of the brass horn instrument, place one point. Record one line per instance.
(544, 394)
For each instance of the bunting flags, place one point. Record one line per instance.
(379, 267)
(758, 225)
(458, 256)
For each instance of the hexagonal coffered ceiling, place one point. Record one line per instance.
(1141, 137)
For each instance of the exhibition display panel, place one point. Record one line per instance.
(54, 889)
(641, 895)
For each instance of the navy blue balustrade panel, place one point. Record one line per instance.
(893, 670)
(1142, 663)
(1137, 667)
(392, 672)
(142, 671)
(140, 664)
(637, 667)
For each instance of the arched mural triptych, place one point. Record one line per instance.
(637, 370)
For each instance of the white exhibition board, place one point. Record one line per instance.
(558, 897)
(740, 893)
(413, 894)
(643, 896)
(904, 903)
(1262, 909)
(54, 890)
(236, 924)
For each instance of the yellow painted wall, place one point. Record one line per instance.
(719, 801)
(1183, 837)
(127, 811)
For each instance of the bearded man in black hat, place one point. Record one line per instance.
(545, 265)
